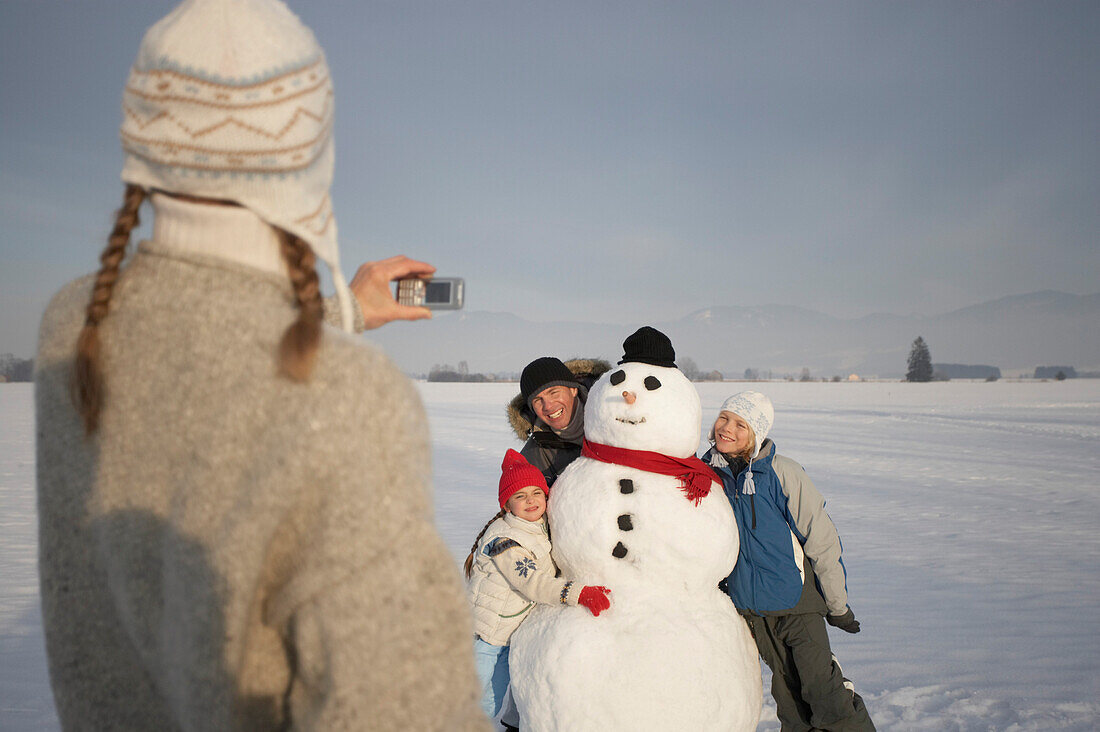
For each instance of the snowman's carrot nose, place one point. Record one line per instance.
(629, 396)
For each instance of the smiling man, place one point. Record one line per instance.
(555, 405)
(549, 411)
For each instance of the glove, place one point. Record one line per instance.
(846, 622)
(596, 599)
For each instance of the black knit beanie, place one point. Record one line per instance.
(649, 345)
(543, 373)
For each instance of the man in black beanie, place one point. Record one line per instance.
(549, 410)
(548, 413)
(550, 389)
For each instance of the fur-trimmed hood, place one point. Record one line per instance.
(587, 370)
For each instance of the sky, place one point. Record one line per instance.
(624, 161)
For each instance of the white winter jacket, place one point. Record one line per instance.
(512, 571)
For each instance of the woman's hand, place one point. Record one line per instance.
(371, 287)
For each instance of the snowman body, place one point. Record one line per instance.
(671, 653)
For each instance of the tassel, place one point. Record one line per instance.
(749, 488)
(696, 487)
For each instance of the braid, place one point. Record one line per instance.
(298, 348)
(88, 383)
(468, 566)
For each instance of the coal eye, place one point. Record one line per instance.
(652, 382)
(618, 377)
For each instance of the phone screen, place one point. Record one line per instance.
(437, 292)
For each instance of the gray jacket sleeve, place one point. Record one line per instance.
(822, 543)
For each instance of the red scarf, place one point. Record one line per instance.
(695, 475)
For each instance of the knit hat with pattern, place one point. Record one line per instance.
(756, 409)
(232, 100)
(516, 474)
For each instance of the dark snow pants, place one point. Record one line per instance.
(807, 684)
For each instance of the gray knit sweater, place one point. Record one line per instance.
(232, 550)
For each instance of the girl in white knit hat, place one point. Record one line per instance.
(789, 576)
(235, 527)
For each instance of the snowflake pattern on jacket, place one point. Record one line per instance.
(524, 566)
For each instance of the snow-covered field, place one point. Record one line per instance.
(970, 514)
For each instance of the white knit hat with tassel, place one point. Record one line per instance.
(757, 410)
(232, 100)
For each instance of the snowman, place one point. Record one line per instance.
(640, 514)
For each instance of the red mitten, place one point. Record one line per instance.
(595, 599)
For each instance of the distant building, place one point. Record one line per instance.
(1051, 372)
(854, 377)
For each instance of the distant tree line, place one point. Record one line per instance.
(920, 369)
(1055, 372)
(966, 371)
(16, 369)
(446, 372)
(694, 373)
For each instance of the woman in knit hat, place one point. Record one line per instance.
(509, 570)
(234, 519)
(789, 576)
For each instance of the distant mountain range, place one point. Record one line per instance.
(1014, 333)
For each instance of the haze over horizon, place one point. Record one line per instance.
(628, 161)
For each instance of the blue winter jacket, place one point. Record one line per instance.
(790, 553)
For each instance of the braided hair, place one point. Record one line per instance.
(88, 383)
(468, 566)
(298, 347)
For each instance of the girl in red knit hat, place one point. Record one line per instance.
(509, 570)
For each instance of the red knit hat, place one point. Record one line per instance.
(517, 474)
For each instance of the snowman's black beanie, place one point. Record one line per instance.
(543, 373)
(649, 345)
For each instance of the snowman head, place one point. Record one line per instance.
(645, 403)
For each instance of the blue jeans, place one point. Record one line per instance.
(492, 670)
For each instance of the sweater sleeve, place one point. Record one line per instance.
(372, 607)
(331, 313)
(534, 579)
(818, 534)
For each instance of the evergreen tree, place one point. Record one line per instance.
(920, 362)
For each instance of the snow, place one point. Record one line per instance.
(968, 512)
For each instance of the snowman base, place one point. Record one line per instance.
(648, 663)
